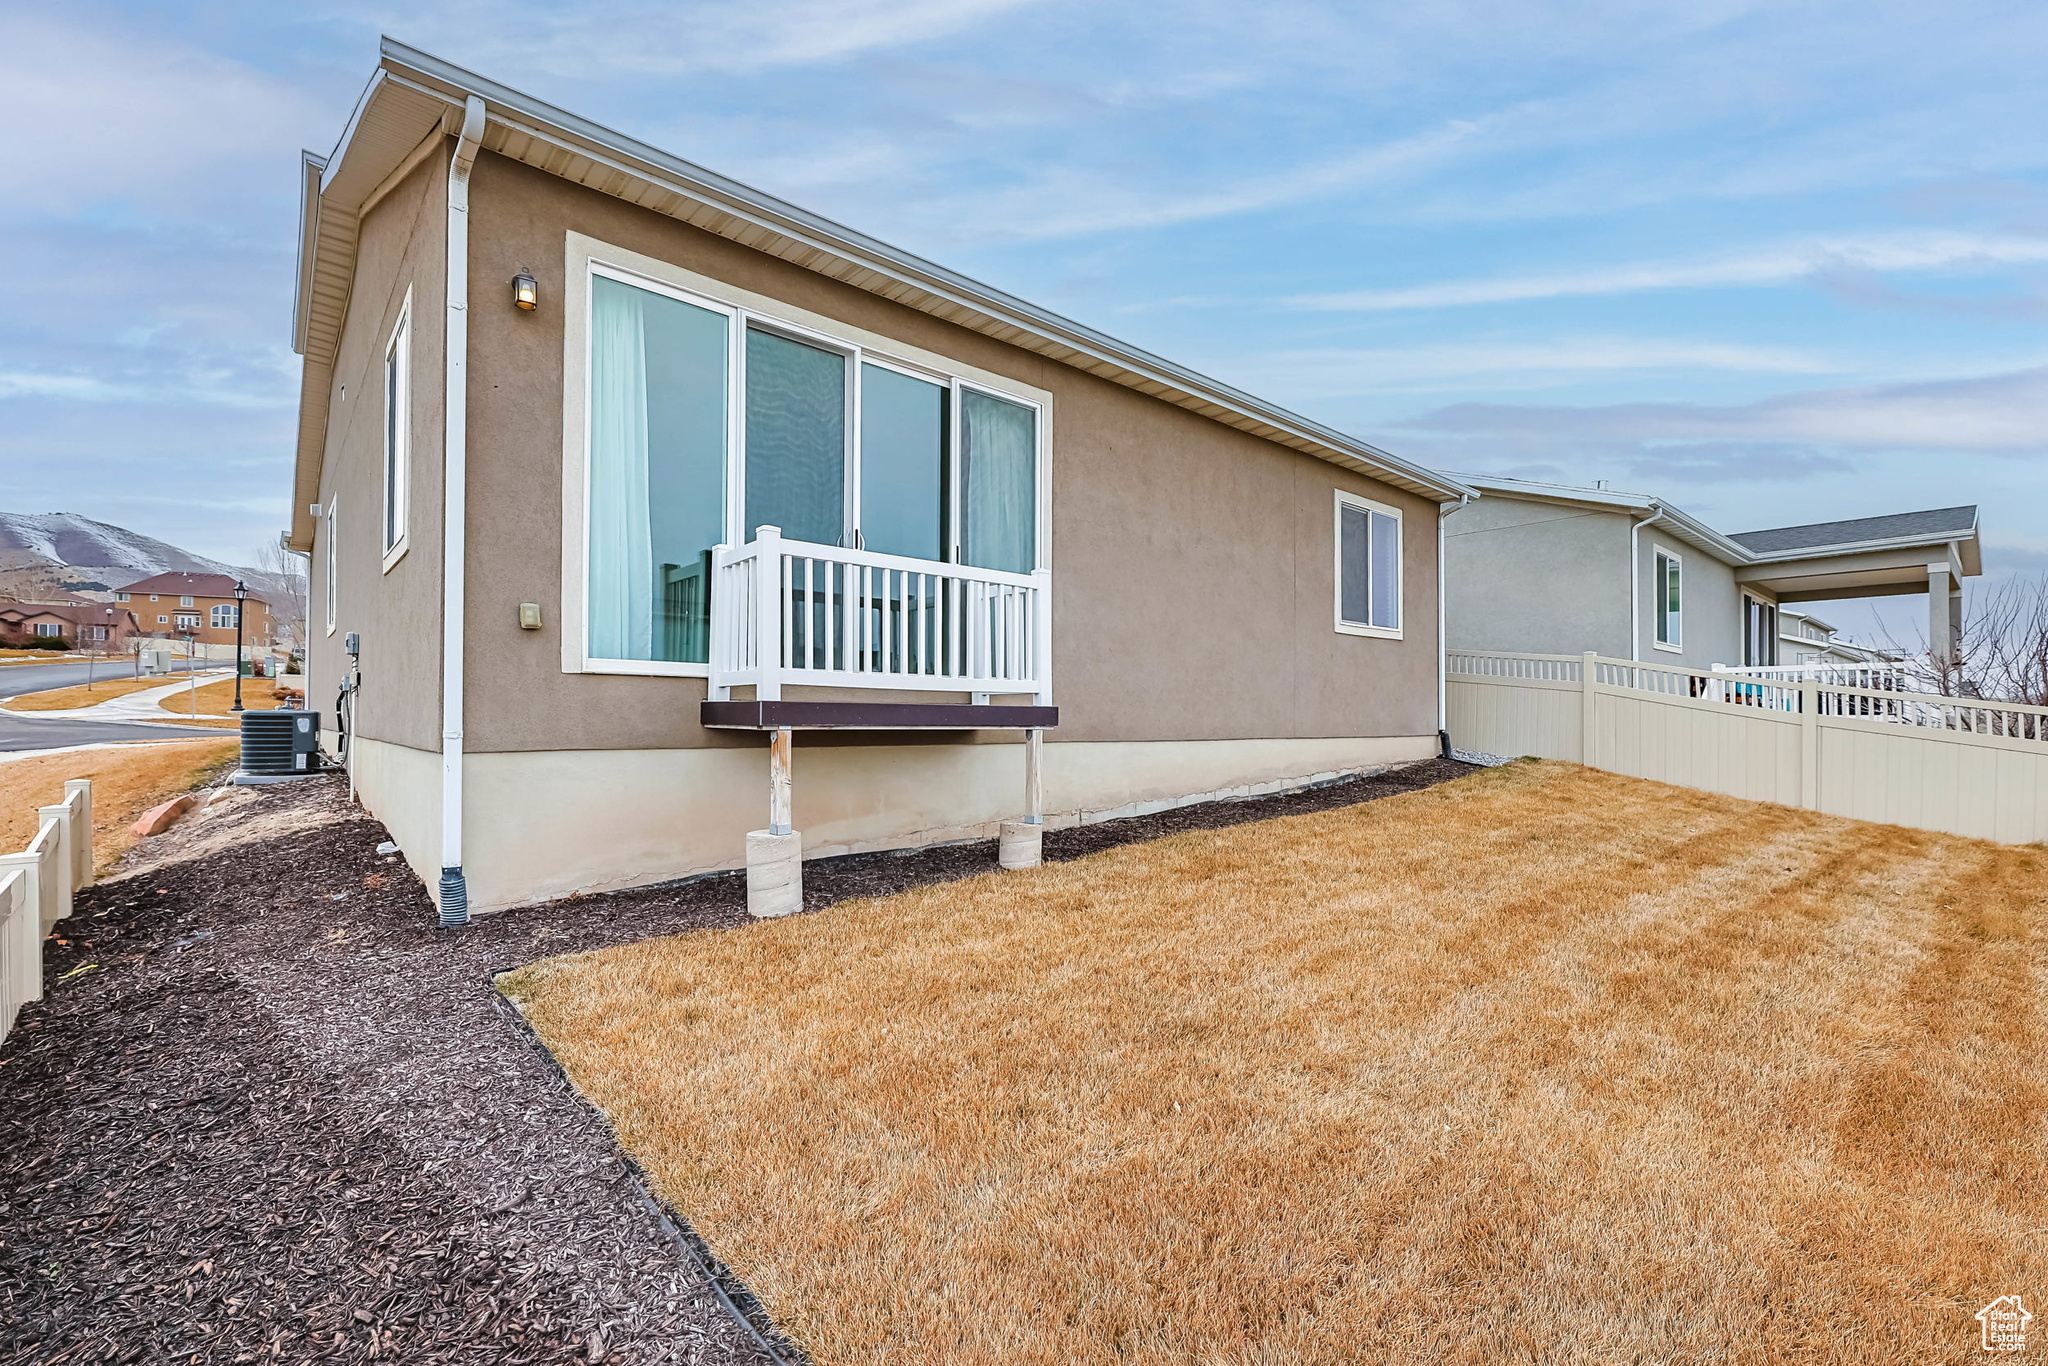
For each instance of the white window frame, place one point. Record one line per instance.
(46, 630)
(394, 529)
(333, 562)
(185, 601)
(1675, 646)
(163, 621)
(1346, 499)
(215, 612)
(588, 258)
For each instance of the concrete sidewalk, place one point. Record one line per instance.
(134, 706)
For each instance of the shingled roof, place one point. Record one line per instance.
(1933, 524)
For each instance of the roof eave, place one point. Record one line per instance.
(511, 109)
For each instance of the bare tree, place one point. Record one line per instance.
(288, 571)
(2003, 654)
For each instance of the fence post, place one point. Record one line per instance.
(81, 832)
(29, 887)
(1809, 745)
(1589, 670)
(60, 816)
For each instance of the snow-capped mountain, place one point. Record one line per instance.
(67, 553)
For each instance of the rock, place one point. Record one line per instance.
(158, 819)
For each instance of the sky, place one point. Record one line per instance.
(1773, 262)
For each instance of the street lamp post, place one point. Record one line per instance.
(241, 595)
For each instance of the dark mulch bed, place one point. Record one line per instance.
(267, 1112)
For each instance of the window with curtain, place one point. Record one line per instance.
(930, 469)
(1368, 567)
(998, 483)
(796, 438)
(1669, 620)
(657, 472)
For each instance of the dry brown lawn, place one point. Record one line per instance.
(1544, 1064)
(215, 699)
(126, 781)
(64, 699)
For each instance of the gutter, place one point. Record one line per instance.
(455, 476)
(1635, 583)
(1443, 716)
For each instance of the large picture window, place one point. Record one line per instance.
(1368, 567)
(657, 472)
(705, 420)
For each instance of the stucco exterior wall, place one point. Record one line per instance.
(403, 245)
(544, 823)
(1536, 578)
(1710, 601)
(1193, 564)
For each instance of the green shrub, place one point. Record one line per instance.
(53, 643)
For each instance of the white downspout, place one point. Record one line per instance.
(1443, 716)
(455, 473)
(1635, 584)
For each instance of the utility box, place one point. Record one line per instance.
(279, 744)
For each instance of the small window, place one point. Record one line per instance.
(397, 428)
(120, 597)
(1669, 596)
(152, 597)
(163, 621)
(49, 628)
(1368, 567)
(185, 601)
(331, 562)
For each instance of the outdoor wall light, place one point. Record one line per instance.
(525, 290)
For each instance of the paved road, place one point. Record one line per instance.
(20, 733)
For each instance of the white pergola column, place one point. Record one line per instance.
(1941, 628)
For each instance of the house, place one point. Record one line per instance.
(1547, 568)
(177, 605)
(81, 625)
(616, 473)
(1804, 640)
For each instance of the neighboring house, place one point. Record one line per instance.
(555, 380)
(1804, 639)
(1561, 569)
(81, 625)
(176, 605)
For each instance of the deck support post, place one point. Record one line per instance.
(1021, 844)
(775, 856)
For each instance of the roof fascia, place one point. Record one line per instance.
(1565, 495)
(540, 120)
(312, 167)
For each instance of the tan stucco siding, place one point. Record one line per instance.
(1193, 564)
(403, 246)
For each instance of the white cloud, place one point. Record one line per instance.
(92, 115)
(2002, 414)
(1339, 372)
(1778, 264)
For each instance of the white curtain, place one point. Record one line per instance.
(621, 540)
(999, 467)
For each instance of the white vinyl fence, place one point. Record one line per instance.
(36, 887)
(1905, 758)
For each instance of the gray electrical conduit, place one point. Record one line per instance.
(684, 1238)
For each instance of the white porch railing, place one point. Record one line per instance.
(796, 612)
